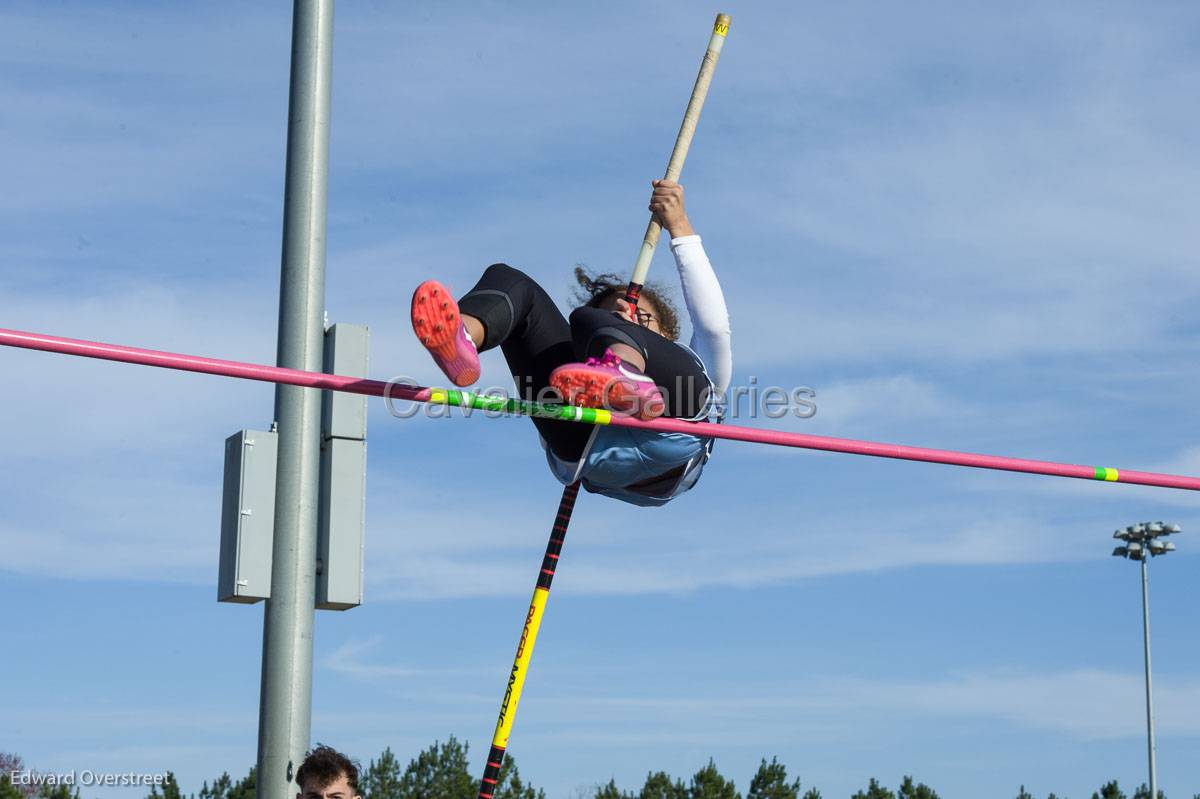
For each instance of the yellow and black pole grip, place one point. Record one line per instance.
(533, 620)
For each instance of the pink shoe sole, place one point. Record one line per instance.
(597, 387)
(438, 325)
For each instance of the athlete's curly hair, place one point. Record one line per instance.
(324, 765)
(594, 288)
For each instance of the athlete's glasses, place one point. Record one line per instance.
(644, 318)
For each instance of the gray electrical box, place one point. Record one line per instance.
(343, 474)
(340, 529)
(247, 517)
(344, 415)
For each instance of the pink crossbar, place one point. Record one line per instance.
(355, 385)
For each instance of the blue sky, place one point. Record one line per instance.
(964, 228)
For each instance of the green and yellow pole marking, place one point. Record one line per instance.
(533, 621)
(691, 117)
(485, 402)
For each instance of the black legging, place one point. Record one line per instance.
(519, 316)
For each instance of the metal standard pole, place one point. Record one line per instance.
(285, 708)
(1149, 699)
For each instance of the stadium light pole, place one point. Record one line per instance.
(1141, 542)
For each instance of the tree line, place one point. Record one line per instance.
(442, 772)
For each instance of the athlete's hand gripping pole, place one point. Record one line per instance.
(682, 142)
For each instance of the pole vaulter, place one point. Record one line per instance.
(570, 413)
(541, 591)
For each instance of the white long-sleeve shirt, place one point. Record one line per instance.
(706, 308)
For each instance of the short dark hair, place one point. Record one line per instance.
(324, 765)
(593, 289)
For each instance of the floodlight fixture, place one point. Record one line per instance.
(1142, 543)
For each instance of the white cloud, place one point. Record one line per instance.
(1087, 704)
(892, 399)
(1083, 704)
(609, 548)
(968, 207)
(352, 659)
(173, 114)
(125, 524)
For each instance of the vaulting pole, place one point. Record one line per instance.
(569, 413)
(691, 117)
(533, 619)
(533, 622)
